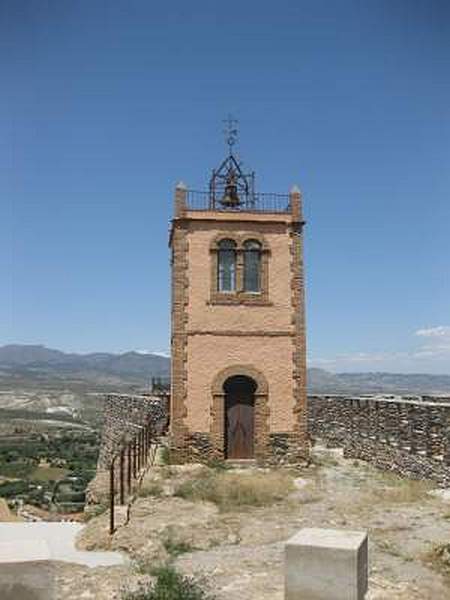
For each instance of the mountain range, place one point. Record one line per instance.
(38, 363)
(34, 363)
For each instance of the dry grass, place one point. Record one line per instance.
(175, 546)
(392, 549)
(305, 496)
(392, 489)
(230, 490)
(439, 558)
(322, 459)
(150, 489)
(94, 511)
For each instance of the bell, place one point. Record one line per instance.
(230, 198)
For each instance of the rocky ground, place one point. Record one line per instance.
(239, 551)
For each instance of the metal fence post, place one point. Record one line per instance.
(129, 469)
(149, 433)
(122, 490)
(146, 445)
(138, 445)
(111, 497)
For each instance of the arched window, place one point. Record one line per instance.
(252, 266)
(226, 266)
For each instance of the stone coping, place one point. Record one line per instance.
(395, 400)
(327, 538)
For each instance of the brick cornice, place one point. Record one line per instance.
(238, 218)
(237, 299)
(241, 333)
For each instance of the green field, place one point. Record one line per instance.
(48, 473)
(35, 463)
(16, 470)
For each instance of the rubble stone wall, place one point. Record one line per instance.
(410, 437)
(124, 415)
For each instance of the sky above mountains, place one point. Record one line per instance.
(107, 105)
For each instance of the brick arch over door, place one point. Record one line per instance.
(261, 410)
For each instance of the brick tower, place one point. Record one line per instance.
(238, 326)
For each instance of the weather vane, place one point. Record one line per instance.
(230, 131)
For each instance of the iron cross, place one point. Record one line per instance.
(230, 131)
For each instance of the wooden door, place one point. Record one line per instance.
(239, 422)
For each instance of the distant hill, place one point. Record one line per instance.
(321, 381)
(38, 363)
(33, 363)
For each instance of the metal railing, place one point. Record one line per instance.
(128, 467)
(160, 385)
(257, 202)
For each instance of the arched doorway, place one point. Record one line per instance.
(239, 416)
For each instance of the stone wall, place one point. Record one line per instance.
(124, 415)
(410, 437)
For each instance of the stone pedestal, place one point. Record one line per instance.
(326, 564)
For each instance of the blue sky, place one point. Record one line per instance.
(106, 105)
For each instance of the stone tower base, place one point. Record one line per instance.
(280, 449)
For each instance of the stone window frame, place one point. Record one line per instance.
(230, 246)
(261, 435)
(240, 296)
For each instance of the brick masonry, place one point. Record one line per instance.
(213, 332)
(409, 437)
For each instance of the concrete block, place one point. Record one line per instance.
(25, 571)
(326, 564)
